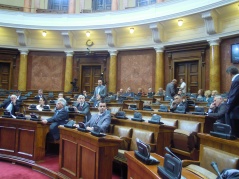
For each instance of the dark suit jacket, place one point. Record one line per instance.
(219, 112)
(170, 90)
(85, 109)
(103, 122)
(15, 108)
(102, 93)
(56, 120)
(127, 94)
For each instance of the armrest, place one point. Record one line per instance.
(188, 162)
(125, 143)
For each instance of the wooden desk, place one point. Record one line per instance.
(138, 170)
(22, 139)
(138, 103)
(230, 146)
(85, 156)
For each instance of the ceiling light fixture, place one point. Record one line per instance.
(87, 34)
(131, 30)
(44, 33)
(180, 22)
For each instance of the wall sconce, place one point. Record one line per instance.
(180, 22)
(44, 33)
(87, 34)
(131, 30)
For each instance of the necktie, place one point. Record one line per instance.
(97, 120)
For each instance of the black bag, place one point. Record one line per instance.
(35, 117)
(96, 132)
(172, 168)
(70, 124)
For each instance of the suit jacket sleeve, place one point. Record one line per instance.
(85, 110)
(103, 123)
(220, 113)
(233, 94)
(61, 116)
(103, 92)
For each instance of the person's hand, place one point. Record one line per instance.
(76, 125)
(75, 108)
(44, 121)
(89, 128)
(212, 106)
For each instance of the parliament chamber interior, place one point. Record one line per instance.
(133, 62)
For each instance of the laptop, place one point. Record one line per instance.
(143, 153)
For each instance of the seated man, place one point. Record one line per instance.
(128, 93)
(59, 118)
(150, 93)
(11, 105)
(218, 109)
(102, 119)
(40, 94)
(83, 107)
(178, 101)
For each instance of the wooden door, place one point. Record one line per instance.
(5, 76)
(190, 73)
(90, 76)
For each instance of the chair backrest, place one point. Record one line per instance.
(143, 135)
(180, 109)
(223, 159)
(199, 109)
(189, 125)
(114, 110)
(191, 103)
(170, 122)
(122, 131)
(163, 108)
(167, 98)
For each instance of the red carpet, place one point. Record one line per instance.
(51, 162)
(15, 171)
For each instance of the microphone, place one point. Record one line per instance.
(215, 167)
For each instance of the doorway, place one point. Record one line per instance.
(90, 76)
(190, 72)
(5, 75)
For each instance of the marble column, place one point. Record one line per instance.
(113, 71)
(214, 71)
(27, 5)
(72, 5)
(114, 5)
(22, 74)
(68, 71)
(159, 68)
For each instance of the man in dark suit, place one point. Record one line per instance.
(218, 109)
(232, 117)
(40, 95)
(178, 101)
(59, 118)
(102, 119)
(82, 107)
(171, 89)
(11, 105)
(99, 90)
(129, 93)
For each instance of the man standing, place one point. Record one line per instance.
(218, 109)
(232, 117)
(183, 86)
(171, 89)
(82, 107)
(102, 119)
(11, 105)
(99, 90)
(59, 118)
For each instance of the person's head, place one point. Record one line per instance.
(140, 90)
(160, 89)
(232, 70)
(201, 92)
(150, 90)
(84, 92)
(181, 80)
(18, 93)
(174, 81)
(218, 100)
(214, 92)
(128, 89)
(177, 98)
(60, 95)
(102, 107)
(99, 82)
(121, 90)
(179, 92)
(42, 101)
(13, 97)
(207, 93)
(61, 103)
(40, 91)
(81, 99)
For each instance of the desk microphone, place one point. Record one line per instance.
(215, 167)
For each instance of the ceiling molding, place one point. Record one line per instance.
(21, 37)
(111, 36)
(210, 21)
(67, 38)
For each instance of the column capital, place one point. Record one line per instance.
(215, 41)
(159, 49)
(113, 52)
(69, 53)
(23, 51)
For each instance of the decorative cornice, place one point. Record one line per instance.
(156, 32)
(23, 51)
(111, 36)
(67, 39)
(21, 37)
(210, 21)
(159, 49)
(214, 41)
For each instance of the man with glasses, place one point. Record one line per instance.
(101, 119)
(178, 101)
(11, 105)
(82, 107)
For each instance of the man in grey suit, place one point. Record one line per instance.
(99, 90)
(218, 109)
(171, 89)
(101, 119)
(83, 107)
